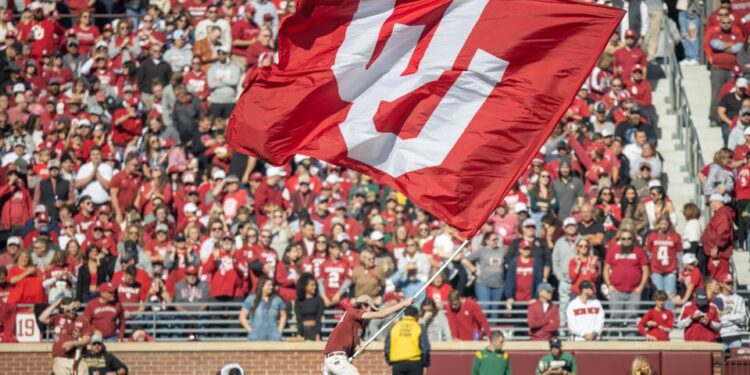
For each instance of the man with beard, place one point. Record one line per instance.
(40, 32)
(626, 272)
(725, 43)
(539, 248)
(223, 78)
(71, 332)
(54, 192)
(742, 123)
(700, 319)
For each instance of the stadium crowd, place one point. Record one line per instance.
(117, 188)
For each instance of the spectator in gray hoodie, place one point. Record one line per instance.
(223, 78)
(180, 54)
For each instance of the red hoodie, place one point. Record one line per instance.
(543, 325)
(663, 319)
(694, 329)
(467, 320)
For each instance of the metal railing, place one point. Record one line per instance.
(687, 134)
(219, 322)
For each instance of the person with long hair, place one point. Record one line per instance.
(659, 205)
(584, 267)
(263, 314)
(85, 32)
(26, 280)
(632, 208)
(59, 278)
(156, 186)
(434, 320)
(94, 271)
(640, 366)
(288, 272)
(308, 308)
(664, 245)
(542, 197)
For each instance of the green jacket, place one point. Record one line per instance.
(567, 362)
(488, 362)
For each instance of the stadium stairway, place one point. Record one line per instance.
(698, 88)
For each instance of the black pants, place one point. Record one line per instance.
(221, 110)
(407, 368)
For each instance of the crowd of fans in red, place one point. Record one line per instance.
(117, 188)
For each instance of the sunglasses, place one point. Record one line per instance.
(626, 238)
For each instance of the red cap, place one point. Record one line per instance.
(525, 244)
(108, 27)
(326, 186)
(192, 189)
(727, 278)
(42, 217)
(637, 67)
(105, 209)
(256, 176)
(98, 224)
(391, 296)
(191, 270)
(107, 288)
(435, 224)
(630, 33)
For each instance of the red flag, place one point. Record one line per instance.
(446, 101)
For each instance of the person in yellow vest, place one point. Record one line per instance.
(492, 360)
(407, 349)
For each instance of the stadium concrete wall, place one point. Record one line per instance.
(303, 358)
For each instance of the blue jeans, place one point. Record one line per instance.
(666, 283)
(487, 294)
(690, 46)
(731, 342)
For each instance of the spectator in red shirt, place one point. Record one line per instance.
(27, 281)
(691, 277)
(131, 292)
(629, 56)
(123, 188)
(523, 276)
(223, 269)
(71, 332)
(272, 190)
(718, 237)
(543, 315)
(664, 245)
(725, 43)
(700, 319)
(105, 314)
(626, 272)
(656, 323)
(465, 318)
(15, 202)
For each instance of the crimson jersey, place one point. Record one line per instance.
(347, 334)
(312, 264)
(524, 279)
(663, 249)
(68, 330)
(131, 295)
(692, 277)
(334, 274)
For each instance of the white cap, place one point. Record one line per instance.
(39, 209)
(376, 235)
(528, 222)
(654, 183)
(275, 172)
(190, 207)
(689, 258)
(606, 132)
(569, 221)
(716, 197)
(35, 5)
(333, 179)
(741, 82)
(218, 174)
(15, 240)
(188, 178)
(520, 207)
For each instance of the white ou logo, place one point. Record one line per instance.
(366, 87)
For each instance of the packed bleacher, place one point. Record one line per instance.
(121, 200)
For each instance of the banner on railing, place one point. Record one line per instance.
(27, 329)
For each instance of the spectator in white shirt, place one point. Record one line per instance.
(201, 30)
(732, 314)
(585, 314)
(93, 178)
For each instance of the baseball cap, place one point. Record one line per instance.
(107, 288)
(233, 178)
(606, 133)
(15, 240)
(40, 209)
(521, 207)
(555, 343)
(178, 34)
(35, 5)
(637, 68)
(179, 237)
(585, 284)
(716, 197)
(545, 287)
(54, 163)
(256, 176)
(275, 172)
(701, 298)
(188, 177)
(192, 270)
(569, 221)
(190, 207)
(192, 189)
(529, 222)
(376, 235)
(218, 175)
(727, 278)
(97, 338)
(223, 49)
(630, 33)
(741, 82)
(689, 258)
(162, 228)
(364, 300)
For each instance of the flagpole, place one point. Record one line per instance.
(421, 290)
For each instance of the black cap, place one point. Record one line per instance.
(411, 310)
(585, 284)
(179, 237)
(701, 298)
(130, 246)
(555, 343)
